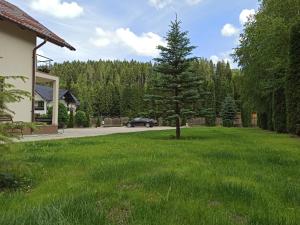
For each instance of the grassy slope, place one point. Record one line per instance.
(212, 176)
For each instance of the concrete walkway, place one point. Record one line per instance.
(88, 132)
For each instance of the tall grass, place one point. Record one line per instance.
(213, 176)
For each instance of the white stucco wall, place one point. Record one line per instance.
(39, 98)
(50, 104)
(70, 106)
(16, 46)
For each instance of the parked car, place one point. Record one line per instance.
(142, 122)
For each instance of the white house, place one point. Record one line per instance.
(18, 47)
(44, 99)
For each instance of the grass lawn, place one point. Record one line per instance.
(212, 176)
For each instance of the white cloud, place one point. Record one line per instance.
(57, 8)
(143, 45)
(159, 4)
(193, 2)
(223, 56)
(246, 15)
(229, 30)
(215, 59)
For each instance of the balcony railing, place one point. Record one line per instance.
(44, 64)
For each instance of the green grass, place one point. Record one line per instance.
(212, 176)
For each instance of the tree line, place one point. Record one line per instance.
(118, 88)
(269, 55)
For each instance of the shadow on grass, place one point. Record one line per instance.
(182, 138)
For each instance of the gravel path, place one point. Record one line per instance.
(88, 132)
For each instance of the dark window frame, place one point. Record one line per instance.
(38, 106)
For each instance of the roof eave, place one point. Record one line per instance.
(61, 44)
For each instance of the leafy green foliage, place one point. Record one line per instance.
(9, 94)
(228, 112)
(80, 119)
(63, 116)
(9, 181)
(293, 80)
(88, 120)
(223, 85)
(98, 122)
(263, 54)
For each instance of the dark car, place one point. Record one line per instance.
(142, 122)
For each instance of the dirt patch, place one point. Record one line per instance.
(214, 204)
(239, 219)
(120, 215)
(127, 186)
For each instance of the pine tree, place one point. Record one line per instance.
(229, 88)
(177, 83)
(220, 86)
(228, 111)
(293, 81)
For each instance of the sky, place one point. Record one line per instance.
(131, 29)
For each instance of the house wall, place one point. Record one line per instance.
(16, 46)
(37, 97)
(50, 104)
(70, 106)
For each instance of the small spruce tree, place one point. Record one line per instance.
(228, 112)
(177, 85)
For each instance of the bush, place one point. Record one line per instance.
(80, 119)
(71, 120)
(98, 122)
(63, 116)
(9, 181)
(228, 112)
(87, 121)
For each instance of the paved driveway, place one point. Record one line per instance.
(88, 132)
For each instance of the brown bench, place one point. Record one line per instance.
(6, 118)
(16, 126)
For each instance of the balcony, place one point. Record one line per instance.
(44, 64)
(43, 68)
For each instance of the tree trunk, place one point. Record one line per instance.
(178, 133)
(177, 111)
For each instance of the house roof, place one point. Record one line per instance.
(17, 16)
(47, 93)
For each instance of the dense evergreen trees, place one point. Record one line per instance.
(270, 81)
(118, 88)
(293, 80)
(106, 88)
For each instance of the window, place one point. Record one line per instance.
(39, 105)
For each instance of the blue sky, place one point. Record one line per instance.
(130, 29)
